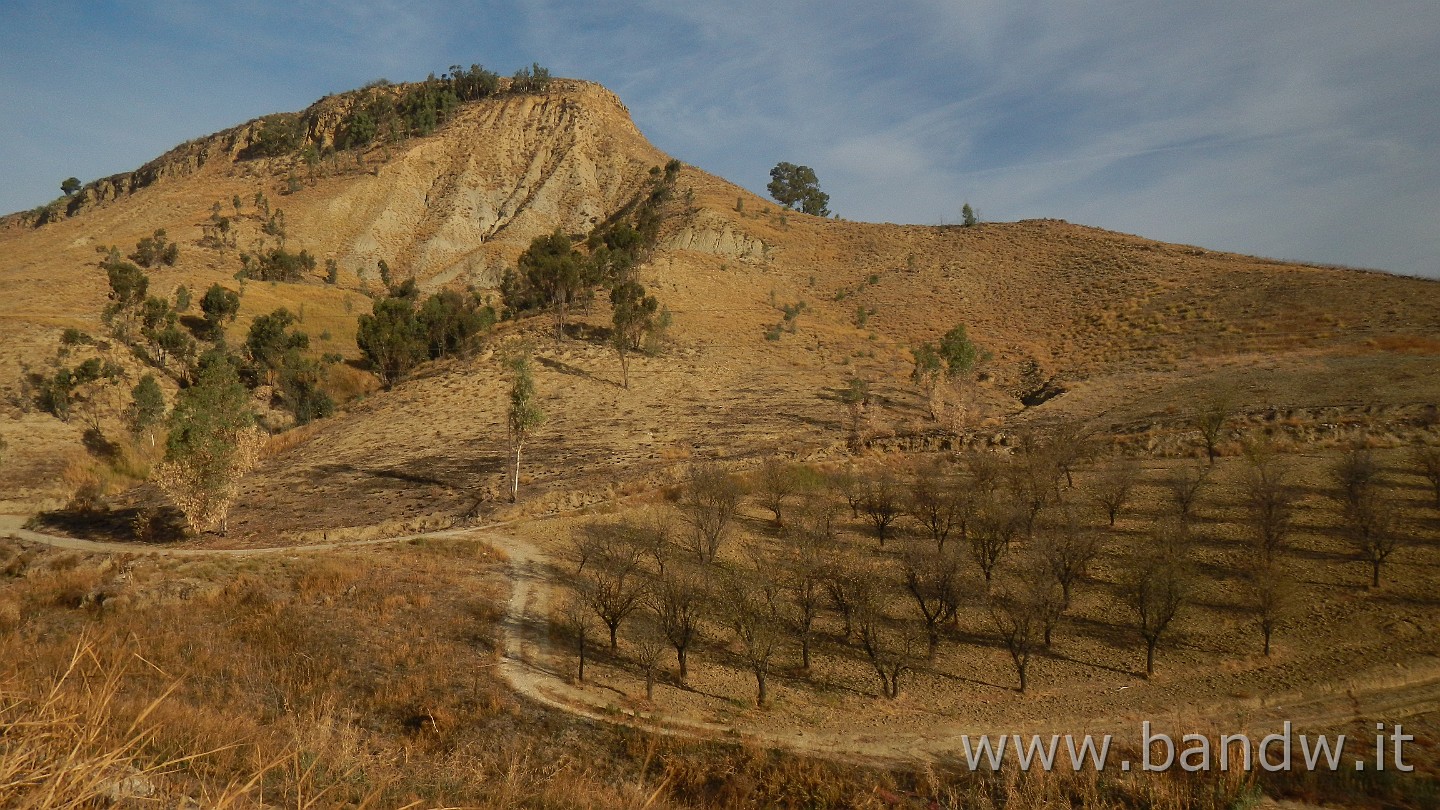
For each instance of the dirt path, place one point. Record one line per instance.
(528, 666)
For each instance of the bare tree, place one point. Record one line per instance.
(881, 503)
(679, 598)
(1356, 474)
(935, 582)
(850, 588)
(996, 526)
(774, 484)
(849, 486)
(1019, 619)
(935, 503)
(1156, 585)
(648, 645)
(983, 469)
(1071, 443)
(756, 627)
(1271, 598)
(655, 537)
(1369, 525)
(1032, 482)
(801, 570)
(1216, 413)
(1427, 461)
(892, 648)
(1183, 485)
(1116, 482)
(1269, 502)
(710, 501)
(1067, 550)
(575, 624)
(613, 585)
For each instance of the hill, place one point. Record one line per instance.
(381, 626)
(1134, 332)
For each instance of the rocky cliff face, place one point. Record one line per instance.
(464, 202)
(460, 203)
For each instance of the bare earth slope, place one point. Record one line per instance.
(1135, 331)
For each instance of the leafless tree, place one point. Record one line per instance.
(1113, 487)
(995, 527)
(850, 588)
(849, 486)
(983, 471)
(655, 536)
(1271, 598)
(599, 542)
(1269, 502)
(613, 585)
(893, 648)
(1020, 620)
(1427, 460)
(648, 645)
(1215, 414)
(801, 571)
(1067, 549)
(1156, 586)
(1070, 443)
(1356, 474)
(936, 583)
(1032, 481)
(1183, 484)
(881, 503)
(575, 624)
(680, 598)
(936, 503)
(1369, 525)
(709, 503)
(775, 482)
(758, 630)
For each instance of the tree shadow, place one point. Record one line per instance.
(161, 525)
(573, 371)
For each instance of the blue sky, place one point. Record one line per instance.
(1307, 131)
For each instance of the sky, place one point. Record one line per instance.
(1306, 131)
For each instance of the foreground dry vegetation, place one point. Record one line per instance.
(367, 678)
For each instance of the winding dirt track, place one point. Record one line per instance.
(526, 666)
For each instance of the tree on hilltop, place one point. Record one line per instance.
(797, 187)
(70, 185)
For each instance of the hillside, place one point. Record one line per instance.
(1133, 331)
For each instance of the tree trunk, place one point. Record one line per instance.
(515, 479)
(760, 693)
(614, 641)
(805, 651)
(684, 671)
(650, 684)
(581, 676)
(1375, 573)
(1022, 669)
(1267, 632)
(1150, 657)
